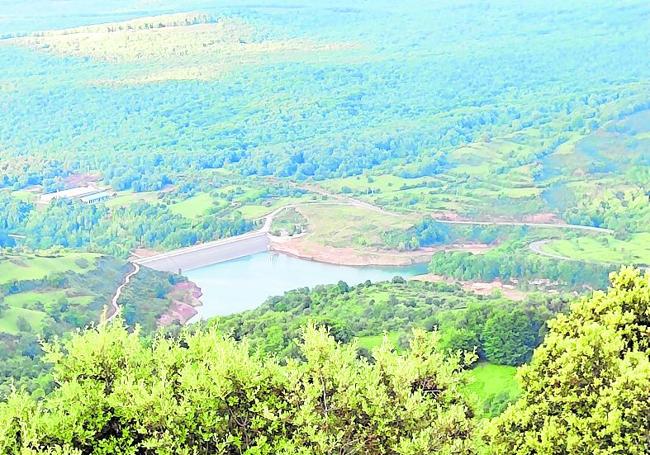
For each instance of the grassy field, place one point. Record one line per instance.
(350, 226)
(14, 268)
(373, 184)
(25, 196)
(373, 341)
(194, 207)
(125, 198)
(47, 298)
(177, 47)
(288, 222)
(636, 250)
(489, 383)
(252, 211)
(10, 317)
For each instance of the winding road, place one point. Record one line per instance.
(114, 307)
(538, 248)
(256, 241)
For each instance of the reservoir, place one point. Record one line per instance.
(245, 283)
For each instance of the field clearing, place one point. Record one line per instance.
(25, 196)
(342, 226)
(194, 207)
(9, 319)
(636, 250)
(488, 381)
(254, 211)
(125, 198)
(372, 184)
(48, 299)
(22, 268)
(371, 342)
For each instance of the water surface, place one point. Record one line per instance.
(244, 284)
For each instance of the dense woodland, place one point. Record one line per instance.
(498, 330)
(513, 261)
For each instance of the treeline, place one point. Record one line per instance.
(427, 232)
(513, 331)
(625, 212)
(585, 391)
(117, 231)
(505, 333)
(513, 262)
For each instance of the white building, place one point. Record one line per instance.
(86, 194)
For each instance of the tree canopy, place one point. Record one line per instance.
(587, 388)
(205, 394)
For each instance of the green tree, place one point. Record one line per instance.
(508, 337)
(587, 387)
(23, 324)
(205, 394)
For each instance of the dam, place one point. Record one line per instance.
(209, 253)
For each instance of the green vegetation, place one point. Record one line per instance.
(193, 207)
(343, 226)
(586, 389)
(289, 222)
(368, 311)
(608, 249)
(126, 198)
(38, 266)
(119, 394)
(49, 295)
(213, 117)
(16, 320)
(495, 386)
(513, 261)
(381, 122)
(371, 342)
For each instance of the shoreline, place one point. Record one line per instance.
(185, 299)
(301, 248)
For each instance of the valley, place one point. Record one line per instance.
(316, 227)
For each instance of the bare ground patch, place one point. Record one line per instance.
(478, 287)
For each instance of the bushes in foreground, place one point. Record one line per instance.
(205, 394)
(587, 388)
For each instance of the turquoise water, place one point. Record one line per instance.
(243, 284)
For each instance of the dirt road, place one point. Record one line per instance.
(114, 308)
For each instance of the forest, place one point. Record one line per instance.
(370, 310)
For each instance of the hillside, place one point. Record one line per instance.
(310, 227)
(50, 294)
(206, 393)
(424, 110)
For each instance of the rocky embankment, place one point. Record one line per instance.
(185, 297)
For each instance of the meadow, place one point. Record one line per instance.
(494, 386)
(608, 249)
(36, 267)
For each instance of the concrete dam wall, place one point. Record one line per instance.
(197, 256)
